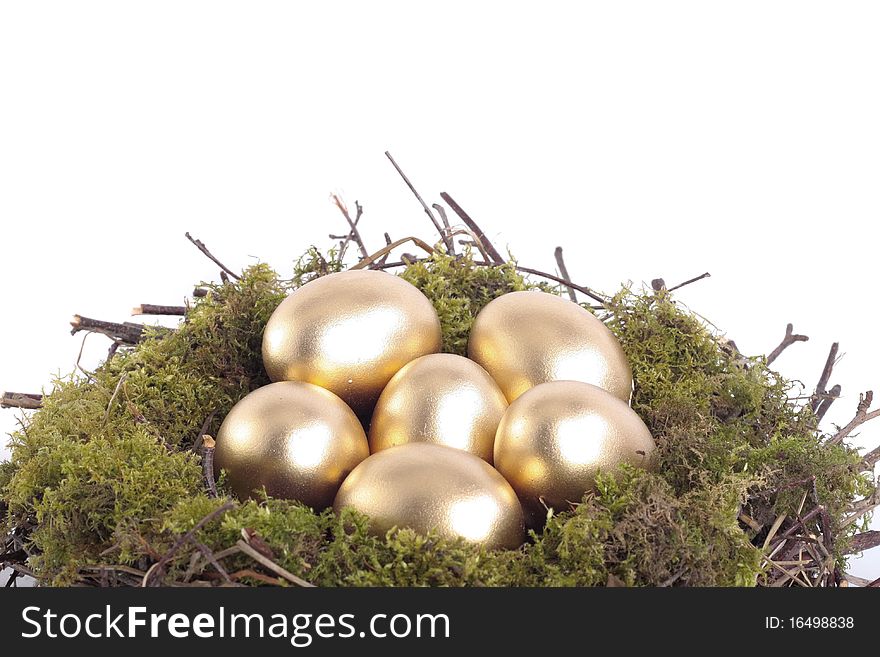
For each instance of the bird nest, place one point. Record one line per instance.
(110, 481)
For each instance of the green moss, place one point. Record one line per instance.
(459, 290)
(104, 472)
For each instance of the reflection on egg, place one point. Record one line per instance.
(555, 438)
(432, 487)
(350, 332)
(294, 439)
(526, 338)
(443, 399)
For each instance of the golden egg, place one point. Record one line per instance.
(432, 487)
(526, 338)
(443, 399)
(350, 332)
(556, 437)
(295, 439)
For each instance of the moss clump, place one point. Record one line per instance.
(105, 472)
(459, 290)
(720, 418)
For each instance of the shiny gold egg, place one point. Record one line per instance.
(556, 437)
(294, 439)
(526, 338)
(427, 487)
(443, 399)
(350, 332)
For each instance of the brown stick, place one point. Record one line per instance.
(580, 288)
(26, 400)
(152, 309)
(862, 415)
(689, 281)
(442, 212)
(271, 565)
(864, 541)
(789, 339)
(826, 375)
(212, 559)
(492, 251)
(352, 224)
(526, 270)
(447, 240)
(563, 270)
(381, 261)
(204, 249)
(370, 259)
(200, 292)
(126, 332)
(861, 507)
(828, 398)
(871, 458)
(157, 571)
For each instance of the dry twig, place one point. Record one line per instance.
(493, 253)
(157, 570)
(204, 249)
(442, 212)
(354, 233)
(271, 565)
(26, 400)
(563, 271)
(126, 332)
(444, 235)
(153, 309)
(862, 415)
(789, 339)
(370, 259)
(821, 392)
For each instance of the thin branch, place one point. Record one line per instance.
(871, 458)
(864, 541)
(352, 224)
(860, 508)
(789, 339)
(152, 309)
(381, 261)
(580, 288)
(855, 580)
(82, 347)
(204, 249)
(442, 212)
(827, 399)
(271, 565)
(345, 240)
(126, 332)
(447, 240)
(493, 253)
(474, 241)
(113, 349)
(862, 415)
(116, 390)
(26, 400)
(200, 292)
(689, 281)
(563, 270)
(526, 270)
(370, 259)
(826, 375)
(212, 559)
(157, 570)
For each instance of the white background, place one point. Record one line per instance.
(650, 139)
